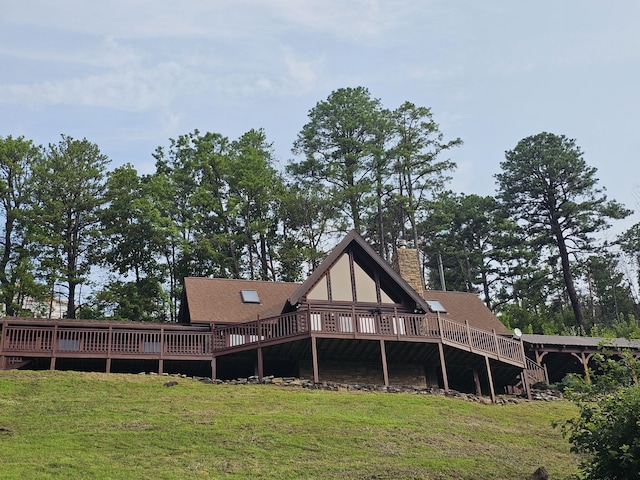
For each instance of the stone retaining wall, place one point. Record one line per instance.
(537, 395)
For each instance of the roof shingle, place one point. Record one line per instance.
(218, 300)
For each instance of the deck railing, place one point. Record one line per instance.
(159, 342)
(478, 340)
(535, 373)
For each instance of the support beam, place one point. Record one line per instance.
(260, 365)
(385, 370)
(443, 366)
(546, 374)
(584, 360)
(490, 377)
(539, 356)
(214, 368)
(314, 357)
(3, 335)
(476, 381)
(54, 347)
(160, 367)
(525, 383)
(108, 365)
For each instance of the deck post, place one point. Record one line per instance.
(525, 384)
(109, 343)
(3, 334)
(214, 366)
(385, 370)
(314, 358)
(443, 366)
(546, 373)
(584, 359)
(260, 365)
(490, 377)
(54, 347)
(161, 361)
(476, 381)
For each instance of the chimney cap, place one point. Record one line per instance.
(402, 243)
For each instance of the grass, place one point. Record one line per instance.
(87, 425)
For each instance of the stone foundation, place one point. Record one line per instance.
(367, 373)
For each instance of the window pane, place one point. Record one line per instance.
(365, 286)
(320, 291)
(341, 280)
(250, 296)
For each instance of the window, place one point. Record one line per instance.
(250, 296)
(436, 307)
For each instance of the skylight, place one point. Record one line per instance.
(436, 307)
(250, 296)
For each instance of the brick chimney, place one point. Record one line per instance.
(406, 262)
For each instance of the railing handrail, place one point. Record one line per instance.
(482, 340)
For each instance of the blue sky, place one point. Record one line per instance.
(129, 75)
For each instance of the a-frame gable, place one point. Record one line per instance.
(354, 273)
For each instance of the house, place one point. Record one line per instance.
(356, 319)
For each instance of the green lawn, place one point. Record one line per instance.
(98, 426)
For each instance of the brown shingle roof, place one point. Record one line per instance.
(461, 306)
(218, 300)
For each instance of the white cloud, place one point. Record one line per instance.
(133, 89)
(302, 73)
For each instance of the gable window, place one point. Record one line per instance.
(250, 296)
(348, 281)
(320, 291)
(341, 280)
(365, 286)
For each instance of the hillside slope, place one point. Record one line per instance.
(88, 425)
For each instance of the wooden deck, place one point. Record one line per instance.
(33, 338)
(25, 339)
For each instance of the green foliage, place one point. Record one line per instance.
(545, 321)
(17, 276)
(470, 234)
(141, 301)
(607, 431)
(220, 207)
(624, 327)
(339, 143)
(64, 219)
(548, 188)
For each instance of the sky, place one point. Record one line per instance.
(130, 75)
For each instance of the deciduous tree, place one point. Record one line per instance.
(17, 157)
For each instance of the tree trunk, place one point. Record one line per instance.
(568, 277)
